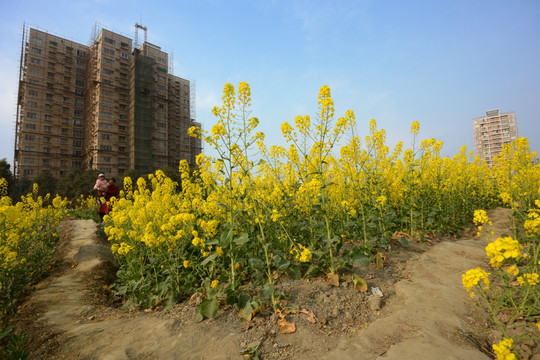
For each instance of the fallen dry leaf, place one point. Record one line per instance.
(286, 327)
(310, 315)
(333, 279)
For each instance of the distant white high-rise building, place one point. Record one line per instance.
(492, 131)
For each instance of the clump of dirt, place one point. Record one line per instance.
(423, 311)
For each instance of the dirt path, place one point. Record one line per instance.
(424, 314)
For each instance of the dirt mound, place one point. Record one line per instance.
(423, 313)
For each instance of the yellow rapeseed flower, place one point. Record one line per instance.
(214, 284)
(473, 277)
(530, 279)
(502, 350)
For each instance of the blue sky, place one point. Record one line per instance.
(441, 63)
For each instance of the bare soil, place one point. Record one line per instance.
(424, 312)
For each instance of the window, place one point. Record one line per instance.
(28, 171)
(80, 72)
(46, 150)
(63, 141)
(108, 61)
(106, 136)
(121, 149)
(50, 75)
(81, 54)
(50, 85)
(79, 82)
(35, 61)
(49, 96)
(47, 128)
(150, 54)
(124, 55)
(105, 158)
(53, 44)
(161, 87)
(65, 99)
(45, 161)
(162, 60)
(161, 125)
(36, 40)
(106, 115)
(160, 106)
(48, 106)
(67, 69)
(48, 117)
(77, 122)
(81, 62)
(36, 50)
(52, 54)
(121, 138)
(122, 128)
(65, 109)
(108, 51)
(32, 93)
(160, 134)
(109, 41)
(108, 71)
(76, 152)
(46, 139)
(33, 71)
(77, 112)
(31, 115)
(28, 160)
(77, 143)
(76, 164)
(107, 103)
(30, 126)
(106, 126)
(51, 64)
(68, 59)
(63, 162)
(105, 147)
(29, 137)
(29, 148)
(124, 45)
(67, 79)
(65, 131)
(69, 49)
(34, 82)
(78, 133)
(79, 92)
(67, 89)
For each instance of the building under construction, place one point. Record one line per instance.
(110, 106)
(492, 131)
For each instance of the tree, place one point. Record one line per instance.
(46, 183)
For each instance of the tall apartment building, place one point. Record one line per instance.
(492, 131)
(105, 106)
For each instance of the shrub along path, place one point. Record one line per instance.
(68, 316)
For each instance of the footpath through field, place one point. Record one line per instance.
(423, 320)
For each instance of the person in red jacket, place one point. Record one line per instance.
(112, 191)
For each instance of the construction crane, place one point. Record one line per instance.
(137, 27)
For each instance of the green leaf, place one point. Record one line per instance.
(241, 239)
(257, 263)
(403, 241)
(207, 309)
(267, 291)
(226, 238)
(360, 258)
(208, 259)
